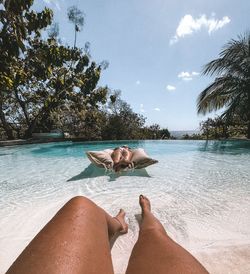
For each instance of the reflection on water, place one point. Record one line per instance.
(226, 147)
(69, 149)
(3, 154)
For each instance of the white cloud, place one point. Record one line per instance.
(189, 25)
(138, 82)
(187, 76)
(194, 73)
(169, 87)
(157, 109)
(142, 110)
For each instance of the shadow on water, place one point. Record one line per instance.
(233, 147)
(91, 171)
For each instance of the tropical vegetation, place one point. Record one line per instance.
(231, 88)
(46, 85)
(220, 128)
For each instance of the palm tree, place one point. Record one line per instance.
(76, 17)
(231, 88)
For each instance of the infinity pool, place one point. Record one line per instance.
(199, 190)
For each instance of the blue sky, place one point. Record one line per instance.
(155, 49)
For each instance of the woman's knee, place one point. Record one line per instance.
(84, 208)
(154, 232)
(81, 202)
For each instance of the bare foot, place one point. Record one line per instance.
(145, 204)
(120, 217)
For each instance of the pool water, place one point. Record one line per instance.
(199, 190)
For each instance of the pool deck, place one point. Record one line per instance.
(38, 141)
(26, 142)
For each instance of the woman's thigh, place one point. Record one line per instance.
(74, 241)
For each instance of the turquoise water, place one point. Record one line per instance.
(199, 190)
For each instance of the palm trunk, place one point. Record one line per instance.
(75, 37)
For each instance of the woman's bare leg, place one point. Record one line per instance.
(76, 240)
(116, 155)
(127, 156)
(156, 252)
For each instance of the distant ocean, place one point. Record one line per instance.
(179, 133)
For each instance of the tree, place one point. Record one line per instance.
(18, 25)
(219, 127)
(122, 123)
(76, 17)
(55, 84)
(41, 80)
(205, 127)
(164, 133)
(154, 131)
(231, 88)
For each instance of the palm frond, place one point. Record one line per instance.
(236, 106)
(232, 86)
(233, 59)
(219, 93)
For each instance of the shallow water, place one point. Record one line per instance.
(199, 190)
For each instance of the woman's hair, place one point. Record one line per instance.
(125, 146)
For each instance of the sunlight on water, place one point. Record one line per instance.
(199, 190)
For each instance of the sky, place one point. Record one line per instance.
(156, 49)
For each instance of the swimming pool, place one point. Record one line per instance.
(199, 190)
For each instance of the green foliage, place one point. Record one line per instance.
(192, 137)
(45, 78)
(62, 76)
(231, 88)
(155, 132)
(121, 123)
(18, 25)
(220, 127)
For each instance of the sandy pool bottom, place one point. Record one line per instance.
(217, 256)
